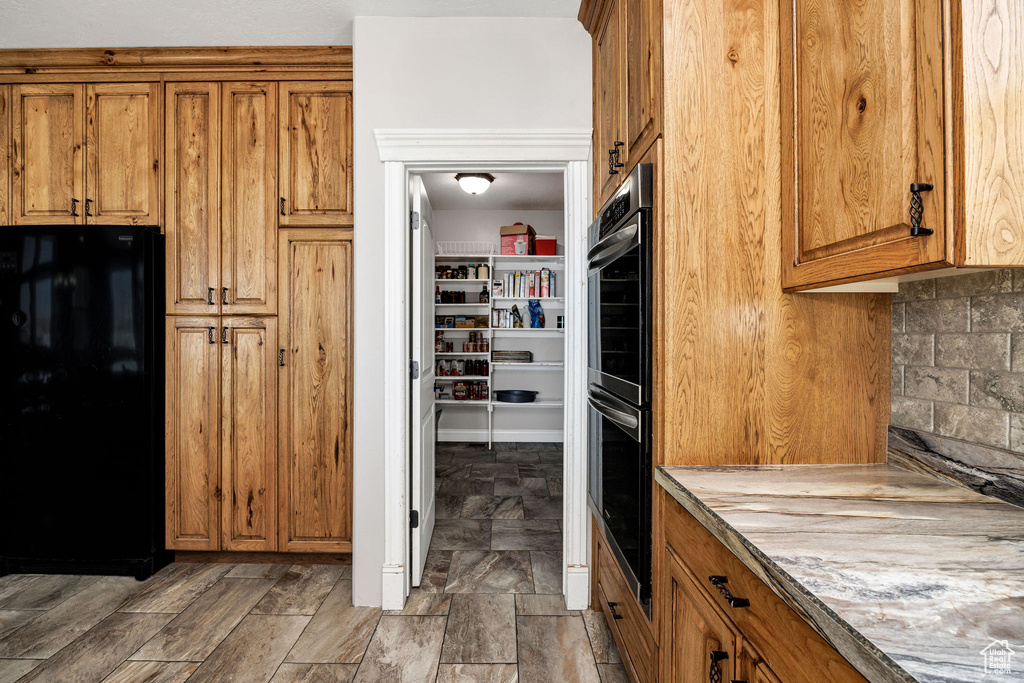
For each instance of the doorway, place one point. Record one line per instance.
(408, 154)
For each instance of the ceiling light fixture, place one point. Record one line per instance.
(474, 183)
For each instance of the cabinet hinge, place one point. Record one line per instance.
(414, 369)
(414, 220)
(414, 519)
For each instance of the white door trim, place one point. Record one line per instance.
(412, 151)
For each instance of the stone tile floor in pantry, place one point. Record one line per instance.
(489, 608)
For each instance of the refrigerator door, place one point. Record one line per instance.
(81, 403)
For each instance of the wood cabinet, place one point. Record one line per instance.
(5, 155)
(221, 413)
(316, 154)
(221, 189)
(907, 94)
(627, 87)
(760, 640)
(315, 451)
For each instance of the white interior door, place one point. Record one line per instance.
(422, 342)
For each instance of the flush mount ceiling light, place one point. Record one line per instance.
(474, 183)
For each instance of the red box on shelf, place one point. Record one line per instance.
(546, 246)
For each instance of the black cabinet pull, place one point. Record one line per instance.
(612, 606)
(224, 295)
(223, 335)
(209, 332)
(209, 296)
(719, 583)
(611, 162)
(715, 671)
(282, 207)
(917, 209)
(74, 206)
(280, 358)
(88, 204)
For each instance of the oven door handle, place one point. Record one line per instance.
(614, 246)
(607, 406)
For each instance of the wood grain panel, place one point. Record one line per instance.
(6, 161)
(315, 453)
(311, 56)
(316, 154)
(192, 191)
(864, 98)
(991, 35)
(123, 140)
(192, 434)
(641, 58)
(47, 140)
(249, 225)
(608, 90)
(249, 433)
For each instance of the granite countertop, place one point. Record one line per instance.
(907, 576)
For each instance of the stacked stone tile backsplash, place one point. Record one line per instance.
(958, 357)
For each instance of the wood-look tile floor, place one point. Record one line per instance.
(489, 608)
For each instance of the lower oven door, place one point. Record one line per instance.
(620, 484)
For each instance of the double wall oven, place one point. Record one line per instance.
(619, 377)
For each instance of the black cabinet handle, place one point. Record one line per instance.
(611, 163)
(280, 358)
(719, 583)
(282, 207)
(209, 332)
(209, 296)
(224, 295)
(223, 335)
(612, 606)
(74, 206)
(917, 209)
(88, 204)
(715, 671)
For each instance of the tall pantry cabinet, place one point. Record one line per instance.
(243, 159)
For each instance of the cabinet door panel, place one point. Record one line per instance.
(48, 137)
(642, 62)
(607, 104)
(249, 424)
(123, 153)
(6, 161)
(249, 228)
(692, 630)
(315, 453)
(863, 97)
(316, 154)
(191, 431)
(192, 187)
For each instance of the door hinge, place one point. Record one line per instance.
(414, 220)
(414, 519)
(414, 369)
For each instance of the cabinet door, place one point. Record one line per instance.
(696, 641)
(315, 383)
(48, 183)
(6, 161)
(191, 432)
(192, 191)
(642, 74)
(249, 227)
(316, 154)
(249, 433)
(607, 103)
(862, 112)
(123, 153)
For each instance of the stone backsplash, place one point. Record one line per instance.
(958, 357)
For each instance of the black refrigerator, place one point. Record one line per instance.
(81, 400)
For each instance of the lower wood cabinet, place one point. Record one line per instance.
(705, 636)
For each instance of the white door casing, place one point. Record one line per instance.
(406, 152)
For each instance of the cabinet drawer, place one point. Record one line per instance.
(787, 643)
(632, 629)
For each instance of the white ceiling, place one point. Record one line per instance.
(149, 23)
(511, 191)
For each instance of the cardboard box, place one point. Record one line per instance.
(518, 234)
(545, 245)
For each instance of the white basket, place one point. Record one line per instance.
(465, 248)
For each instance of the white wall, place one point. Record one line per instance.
(436, 73)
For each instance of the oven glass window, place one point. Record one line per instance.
(621, 503)
(615, 292)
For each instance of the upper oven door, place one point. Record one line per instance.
(619, 316)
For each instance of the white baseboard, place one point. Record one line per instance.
(502, 435)
(393, 587)
(577, 587)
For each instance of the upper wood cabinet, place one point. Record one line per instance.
(48, 155)
(5, 155)
(627, 86)
(221, 198)
(880, 95)
(315, 451)
(316, 154)
(123, 138)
